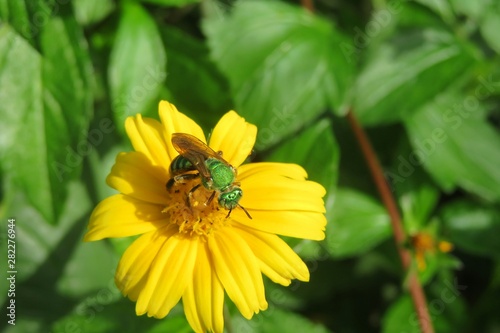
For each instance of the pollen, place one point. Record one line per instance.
(192, 210)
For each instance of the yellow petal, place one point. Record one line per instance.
(238, 270)
(234, 137)
(146, 137)
(134, 175)
(264, 191)
(175, 122)
(135, 263)
(203, 299)
(270, 169)
(278, 261)
(169, 276)
(298, 224)
(122, 216)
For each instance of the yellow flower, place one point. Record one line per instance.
(424, 243)
(189, 247)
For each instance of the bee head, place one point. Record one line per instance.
(229, 199)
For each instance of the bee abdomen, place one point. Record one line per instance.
(180, 165)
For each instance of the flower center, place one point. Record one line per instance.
(193, 211)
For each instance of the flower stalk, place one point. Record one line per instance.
(414, 286)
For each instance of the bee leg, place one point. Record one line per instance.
(210, 199)
(190, 195)
(186, 176)
(179, 178)
(170, 183)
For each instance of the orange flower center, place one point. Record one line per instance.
(193, 211)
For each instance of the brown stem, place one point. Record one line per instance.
(416, 291)
(308, 4)
(414, 286)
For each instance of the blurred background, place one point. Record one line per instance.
(422, 77)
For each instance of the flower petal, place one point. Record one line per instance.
(289, 170)
(203, 299)
(135, 263)
(234, 137)
(134, 175)
(278, 261)
(267, 191)
(281, 201)
(283, 195)
(238, 270)
(298, 224)
(169, 276)
(175, 122)
(122, 216)
(146, 137)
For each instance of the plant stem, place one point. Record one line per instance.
(416, 291)
(308, 4)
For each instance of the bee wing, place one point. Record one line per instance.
(195, 151)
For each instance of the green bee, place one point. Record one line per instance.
(216, 174)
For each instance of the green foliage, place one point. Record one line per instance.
(137, 63)
(358, 223)
(263, 47)
(422, 75)
(456, 145)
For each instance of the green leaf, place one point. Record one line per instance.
(284, 65)
(445, 304)
(417, 194)
(418, 204)
(276, 320)
(446, 311)
(398, 317)
(358, 224)
(490, 26)
(473, 227)
(407, 71)
(92, 11)
(441, 7)
(46, 116)
(101, 313)
(177, 324)
(42, 251)
(474, 9)
(39, 240)
(456, 146)
(91, 267)
(198, 88)
(137, 67)
(176, 3)
(316, 150)
(28, 18)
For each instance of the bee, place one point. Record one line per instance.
(216, 174)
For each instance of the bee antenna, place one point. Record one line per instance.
(244, 211)
(229, 213)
